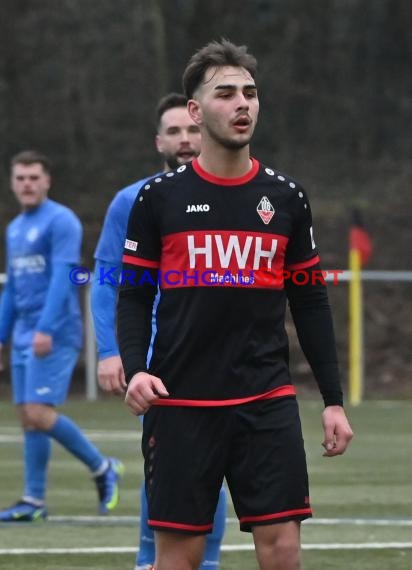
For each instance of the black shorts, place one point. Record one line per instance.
(257, 446)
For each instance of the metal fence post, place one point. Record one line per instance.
(90, 359)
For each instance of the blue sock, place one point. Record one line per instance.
(214, 539)
(70, 436)
(146, 554)
(36, 453)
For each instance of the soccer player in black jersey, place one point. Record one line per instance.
(229, 242)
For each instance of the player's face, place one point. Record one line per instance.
(30, 184)
(178, 138)
(226, 106)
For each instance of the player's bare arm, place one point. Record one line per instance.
(110, 375)
(337, 431)
(143, 390)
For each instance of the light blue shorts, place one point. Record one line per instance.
(43, 380)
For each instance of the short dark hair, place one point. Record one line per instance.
(169, 101)
(28, 157)
(215, 54)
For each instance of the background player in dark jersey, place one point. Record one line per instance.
(178, 142)
(219, 235)
(40, 309)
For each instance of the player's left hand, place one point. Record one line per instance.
(338, 432)
(42, 344)
(110, 375)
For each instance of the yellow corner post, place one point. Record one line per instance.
(355, 329)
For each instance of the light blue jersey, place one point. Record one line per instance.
(43, 247)
(111, 242)
(41, 244)
(108, 255)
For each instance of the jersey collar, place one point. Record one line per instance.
(226, 181)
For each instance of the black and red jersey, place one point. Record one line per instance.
(218, 249)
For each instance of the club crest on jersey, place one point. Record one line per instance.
(265, 210)
(32, 234)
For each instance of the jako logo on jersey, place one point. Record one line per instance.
(265, 210)
(129, 244)
(202, 253)
(197, 208)
(43, 391)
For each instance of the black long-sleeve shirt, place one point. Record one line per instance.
(224, 253)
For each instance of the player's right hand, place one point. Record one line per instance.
(143, 390)
(111, 376)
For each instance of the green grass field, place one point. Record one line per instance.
(373, 481)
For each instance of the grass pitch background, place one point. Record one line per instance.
(372, 481)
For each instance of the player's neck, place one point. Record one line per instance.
(27, 209)
(226, 163)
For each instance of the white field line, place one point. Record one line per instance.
(359, 522)
(233, 520)
(15, 436)
(225, 548)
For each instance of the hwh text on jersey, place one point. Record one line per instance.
(236, 251)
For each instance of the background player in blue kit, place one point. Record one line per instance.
(40, 310)
(178, 141)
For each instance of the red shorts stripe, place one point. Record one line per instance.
(140, 261)
(179, 526)
(288, 390)
(284, 514)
